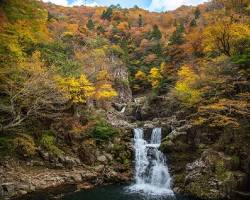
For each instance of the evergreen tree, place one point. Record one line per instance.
(156, 33)
(90, 24)
(107, 14)
(177, 37)
(157, 49)
(100, 29)
(193, 23)
(180, 28)
(197, 13)
(118, 6)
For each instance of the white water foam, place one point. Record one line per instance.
(151, 171)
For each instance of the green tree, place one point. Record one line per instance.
(107, 14)
(178, 35)
(197, 13)
(100, 29)
(136, 7)
(242, 59)
(193, 23)
(155, 33)
(90, 24)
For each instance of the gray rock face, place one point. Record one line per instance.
(69, 162)
(44, 179)
(120, 76)
(102, 159)
(7, 189)
(117, 120)
(212, 177)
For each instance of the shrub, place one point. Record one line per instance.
(24, 145)
(48, 142)
(103, 131)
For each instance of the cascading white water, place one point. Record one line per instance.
(151, 171)
(123, 109)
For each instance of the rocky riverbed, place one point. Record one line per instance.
(18, 179)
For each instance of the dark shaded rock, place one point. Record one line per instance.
(7, 189)
(87, 153)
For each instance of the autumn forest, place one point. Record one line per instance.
(75, 82)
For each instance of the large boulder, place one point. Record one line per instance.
(212, 176)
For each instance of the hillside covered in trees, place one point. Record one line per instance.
(66, 73)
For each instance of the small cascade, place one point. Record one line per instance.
(156, 136)
(123, 109)
(151, 171)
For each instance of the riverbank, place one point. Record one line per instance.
(18, 179)
(86, 163)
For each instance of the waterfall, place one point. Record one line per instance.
(151, 171)
(156, 136)
(123, 109)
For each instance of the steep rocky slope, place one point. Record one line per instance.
(206, 162)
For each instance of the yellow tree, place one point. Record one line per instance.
(104, 90)
(33, 94)
(154, 77)
(23, 24)
(78, 90)
(140, 81)
(140, 75)
(185, 88)
(225, 36)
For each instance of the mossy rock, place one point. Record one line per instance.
(103, 131)
(167, 146)
(202, 188)
(179, 179)
(48, 142)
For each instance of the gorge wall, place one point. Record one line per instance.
(204, 161)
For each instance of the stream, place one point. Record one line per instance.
(152, 178)
(118, 192)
